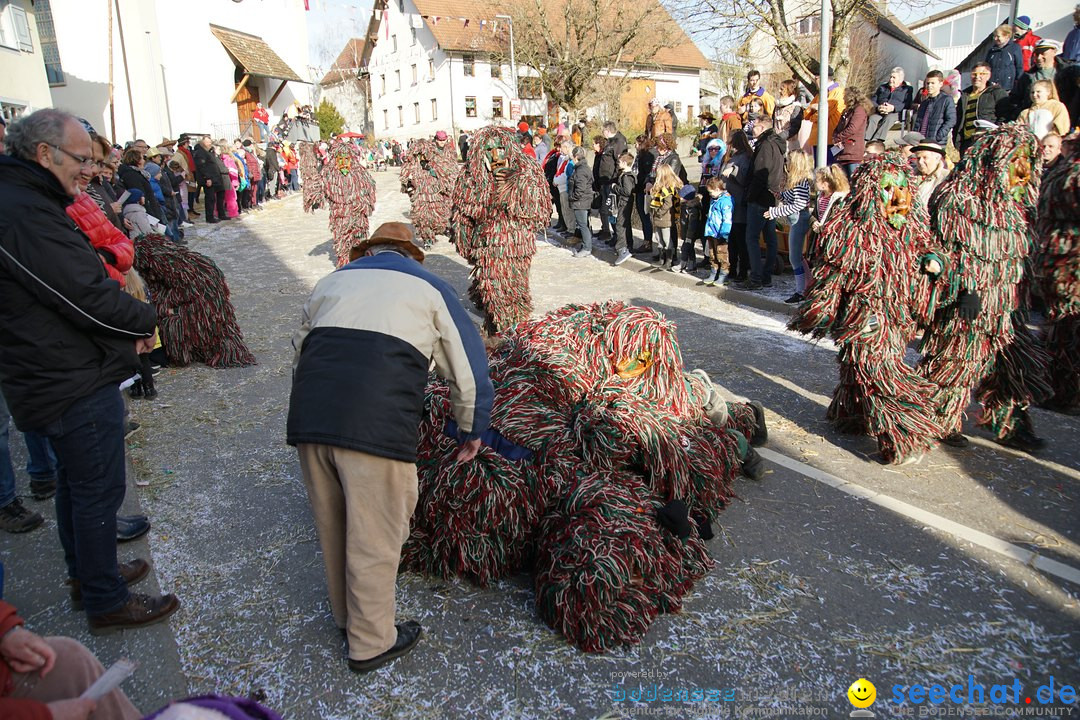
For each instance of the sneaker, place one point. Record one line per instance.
(132, 572)
(131, 527)
(186, 224)
(675, 267)
(408, 634)
(130, 428)
(581, 253)
(42, 489)
(150, 393)
(749, 286)
(623, 257)
(766, 283)
(138, 612)
(15, 518)
(794, 299)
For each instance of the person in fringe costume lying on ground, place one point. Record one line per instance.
(873, 285)
(604, 468)
(501, 203)
(350, 192)
(1058, 276)
(311, 179)
(978, 336)
(428, 176)
(196, 320)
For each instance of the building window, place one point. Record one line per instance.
(470, 106)
(50, 51)
(413, 30)
(678, 108)
(400, 116)
(401, 5)
(434, 109)
(414, 74)
(382, 84)
(397, 77)
(416, 113)
(13, 111)
(386, 119)
(529, 88)
(15, 29)
(393, 43)
(808, 25)
(496, 69)
(431, 69)
(467, 65)
(496, 107)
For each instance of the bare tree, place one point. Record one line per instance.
(779, 20)
(572, 43)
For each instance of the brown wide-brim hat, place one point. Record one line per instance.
(390, 233)
(707, 116)
(166, 142)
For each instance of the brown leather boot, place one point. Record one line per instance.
(139, 611)
(132, 572)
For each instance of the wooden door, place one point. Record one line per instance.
(245, 106)
(635, 103)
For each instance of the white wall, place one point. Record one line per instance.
(22, 73)
(349, 99)
(181, 77)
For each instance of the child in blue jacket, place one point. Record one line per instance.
(717, 225)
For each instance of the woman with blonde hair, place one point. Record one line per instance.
(664, 209)
(794, 209)
(788, 114)
(232, 208)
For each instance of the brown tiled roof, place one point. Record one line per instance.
(253, 55)
(348, 63)
(452, 34)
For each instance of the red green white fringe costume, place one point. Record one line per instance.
(313, 192)
(350, 191)
(616, 429)
(979, 215)
(196, 320)
(1058, 277)
(428, 176)
(495, 220)
(870, 293)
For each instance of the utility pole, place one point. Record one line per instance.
(823, 86)
(513, 60)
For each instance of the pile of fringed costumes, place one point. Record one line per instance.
(602, 474)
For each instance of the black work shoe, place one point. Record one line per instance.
(795, 299)
(42, 489)
(130, 427)
(749, 286)
(408, 634)
(761, 432)
(753, 466)
(956, 439)
(138, 612)
(15, 518)
(1023, 440)
(132, 572)
(131, 527)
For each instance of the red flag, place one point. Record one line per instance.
(386, 22)
(306, 7)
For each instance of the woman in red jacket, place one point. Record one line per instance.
(849, 138)
(113, 247)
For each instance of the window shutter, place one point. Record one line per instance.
(22, 28)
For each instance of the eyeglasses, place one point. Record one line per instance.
(84, 161)
(983, 73)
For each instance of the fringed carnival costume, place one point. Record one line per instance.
(350, 192)
(428, 176)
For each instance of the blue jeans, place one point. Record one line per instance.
(796, 246)
(264, 131)
(89, 443)
(41, 464)
(582, 219)
(643, 215)
(294, 180)
(755, 224)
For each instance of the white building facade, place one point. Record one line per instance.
(418, 86)
(170, 72)
(24, 86)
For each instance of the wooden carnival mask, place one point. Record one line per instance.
(895, 199)
(1019, 174)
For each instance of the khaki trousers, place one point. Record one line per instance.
(362, 504)
(75, 670)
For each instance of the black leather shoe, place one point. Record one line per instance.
(956, 439)
(139, 611)
(131, 527)
(1023, 440)
(408, 634)
(753, 466)
(132, 572)
(761, 431)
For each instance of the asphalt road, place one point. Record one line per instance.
(833, 567)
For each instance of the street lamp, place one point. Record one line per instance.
(513, 62)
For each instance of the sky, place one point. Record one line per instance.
(332, 23)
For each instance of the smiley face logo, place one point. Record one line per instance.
(862, 693)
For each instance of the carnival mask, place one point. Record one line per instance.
(895, 199)
(1019, 174)
(343, 162)
(495, 156)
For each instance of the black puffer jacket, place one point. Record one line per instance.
(581, 187)
(66, 329)
(767, 171)
(608, 161)
(133, 179)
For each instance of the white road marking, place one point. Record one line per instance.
(963, 532)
